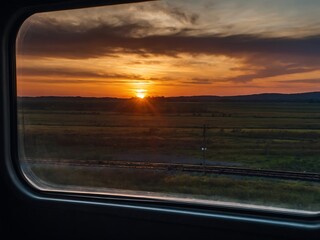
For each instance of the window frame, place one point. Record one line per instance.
(256, 221)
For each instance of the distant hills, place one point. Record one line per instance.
(264, 97)
(157, 105)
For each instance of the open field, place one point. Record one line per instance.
(281, 136)
(262, 135)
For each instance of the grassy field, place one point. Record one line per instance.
(247, 190)
(282, 136)
(264, 135)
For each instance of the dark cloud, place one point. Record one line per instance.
(273, 66)
(310, 81)
(68, 81)
(199, 81)
(73, 73)
(182, 16)
(53, 39)
(268, 56)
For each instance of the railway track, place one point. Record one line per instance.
(305, 176)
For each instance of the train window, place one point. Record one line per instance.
(202, 102)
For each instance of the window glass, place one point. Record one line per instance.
(208, 102)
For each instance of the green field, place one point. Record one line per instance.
(269, 136)
(263, 135)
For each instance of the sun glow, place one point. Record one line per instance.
(141, 93)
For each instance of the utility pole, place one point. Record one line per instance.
(204, 144)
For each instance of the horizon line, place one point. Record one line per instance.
(134, 97)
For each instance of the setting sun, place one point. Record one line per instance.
(140, 93)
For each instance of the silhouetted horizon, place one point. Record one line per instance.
(267, 96)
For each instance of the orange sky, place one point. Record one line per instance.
(171, 48)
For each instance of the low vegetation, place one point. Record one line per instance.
(260, 191)
(263, 135)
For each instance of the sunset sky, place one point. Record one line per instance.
(172, 48)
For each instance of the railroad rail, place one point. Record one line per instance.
(210, 169)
